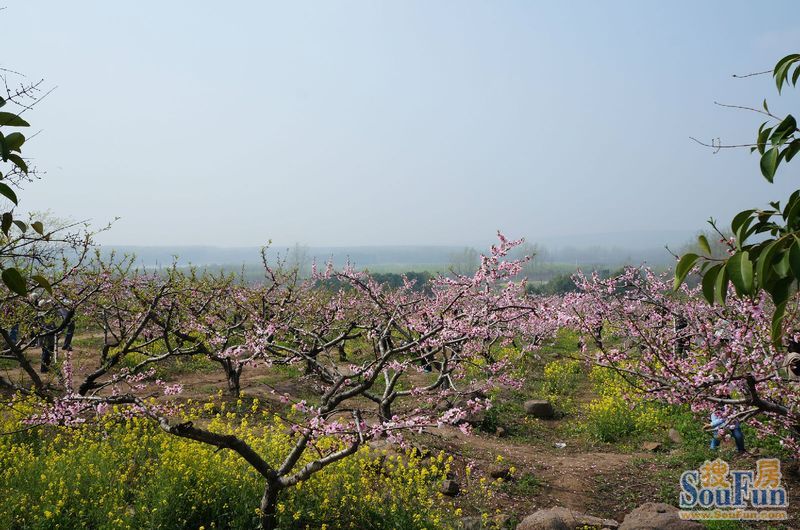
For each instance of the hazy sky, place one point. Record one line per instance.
(349, 123)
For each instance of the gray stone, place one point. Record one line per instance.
(539, 408)
(476, 419)
(501, 520)
(450, 488)
(503, 472)
(674, 436)
(443, 406)
(651, 446)
(563, 519)
(657, 516)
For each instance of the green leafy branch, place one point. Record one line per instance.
(765, 248)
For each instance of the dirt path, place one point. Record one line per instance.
(567, 476)
(570, 478)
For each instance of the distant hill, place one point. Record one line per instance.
(607, 249)
(361, 256)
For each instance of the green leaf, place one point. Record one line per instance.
(794, 258)
(7, 192)
(792, 206)
(784, 129)
(43, 282)
(792, 148)
(14, 141)
(14, 281)
(22, 226)
(743, 232)
(781, 290)
(685, 265)
(777, 322)
(702, 242)
(740, 269)
(764, 262)
(739, 219)
(782, 69)
(12, 120)
(721, 286)
(769, 163)
(781, 265)
(709, 279)
(5, 222)
(761, 139)
(38, 226)
(786, 60)
(19, 162)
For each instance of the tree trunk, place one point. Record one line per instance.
(233, 373)
(681, 340)
(386, 409)
(269, 505)
(598, 335)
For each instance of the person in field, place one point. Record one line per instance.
(718, 426)
(68, 322)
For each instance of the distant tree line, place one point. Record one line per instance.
(391, 280)
(565, 283)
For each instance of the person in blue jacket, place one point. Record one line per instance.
(717, 420)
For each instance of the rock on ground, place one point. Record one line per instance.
(651, 446)
(503, 472)
(657, 516)
(563, 519)
(539, 408)
(450, 488)
(674, 436)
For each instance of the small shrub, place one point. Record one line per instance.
(527, 485)
(561, 378)
(619, 412)
(609, 419)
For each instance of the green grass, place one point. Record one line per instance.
(8, 364)
(88, 342)
(527, 485)
(170, 368)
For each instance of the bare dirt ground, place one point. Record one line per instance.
(564, 477)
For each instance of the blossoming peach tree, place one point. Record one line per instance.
(407, 353)
(738, 348)
(676, 348)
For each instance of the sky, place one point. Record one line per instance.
(395, 123)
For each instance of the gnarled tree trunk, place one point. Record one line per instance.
(269, 506)
(233, 373)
